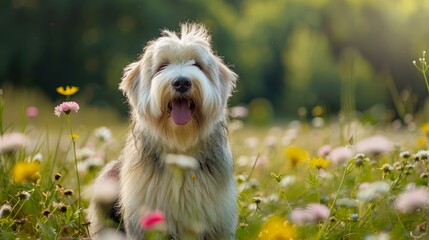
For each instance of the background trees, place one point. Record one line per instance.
(293, 53)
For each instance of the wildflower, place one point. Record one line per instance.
(421, 155)
(68, 192)
(270, 141)
(347, 202)
(379, 236)
(181, 161)
(251, 142)
(324, 150)
(287, 180)
(31, 112)
(374, 145)
(74, 136)
(24, 171)
(24, 195)
(239, 112)
(68, 90)
(313, 213)
(405, 154)
(5, 209)
(319, 163)
(296, 155)
(57, 176)
(46, 212)
(90, 163)
(411, 200)
(152, 220)
(387, 168)
(38, 157)
(66, 108)
(371, 191)
(354, 217)
(277, 228)
(63, 207)
(103, 134)
(340, 154)
(360, 159)
(318, 122)
(425, 128)
(11, 141)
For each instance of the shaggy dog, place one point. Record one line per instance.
(176, 158)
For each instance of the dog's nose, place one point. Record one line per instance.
(182, 84)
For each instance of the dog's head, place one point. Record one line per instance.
(178, 89)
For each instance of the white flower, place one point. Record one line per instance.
(370, 191)
(181, 161)
(347, 202)
(5, 208)
(422, 154)
(287, 180)
(103, 133)
(379, 236)
(85, 153)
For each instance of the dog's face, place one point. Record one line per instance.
(179, 88)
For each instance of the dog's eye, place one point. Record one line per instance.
(197, 65)
(161, 67)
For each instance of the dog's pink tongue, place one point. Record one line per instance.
(181, 113)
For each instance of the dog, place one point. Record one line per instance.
(178, 91)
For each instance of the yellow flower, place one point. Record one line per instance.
(319, 162)
(74, 136)
(296, 155)
(421, 142)
(68, 90)
(26, 171)
(277, 228)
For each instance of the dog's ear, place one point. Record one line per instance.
(227, 76)
(130, 80)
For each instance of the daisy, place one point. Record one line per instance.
(66, 107)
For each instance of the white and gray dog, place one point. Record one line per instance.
(178, 92)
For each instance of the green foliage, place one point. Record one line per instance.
(288, 52)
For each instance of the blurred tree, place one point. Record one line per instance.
(286, 51)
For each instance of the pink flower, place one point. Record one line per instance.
(66, 107)
(12, 141)
(31, 112)
(313, 213)
(340, 154)
(377, 144)
(411, 200)
(324, 150)
(152, 219)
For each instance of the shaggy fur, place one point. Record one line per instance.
(199, 202)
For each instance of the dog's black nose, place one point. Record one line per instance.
(182, 84)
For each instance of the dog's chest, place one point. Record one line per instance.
(188, 198)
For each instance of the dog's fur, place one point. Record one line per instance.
(200, 202)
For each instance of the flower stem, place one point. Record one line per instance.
(325, 223)
(75, 165)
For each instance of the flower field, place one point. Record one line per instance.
(320, 179)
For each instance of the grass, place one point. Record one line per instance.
(360, 194)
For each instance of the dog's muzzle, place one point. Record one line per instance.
(181, 108)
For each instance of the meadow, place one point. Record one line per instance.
(319, 177)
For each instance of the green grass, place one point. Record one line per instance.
(261, 167)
